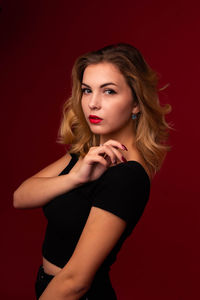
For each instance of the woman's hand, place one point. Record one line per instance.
(97, 161)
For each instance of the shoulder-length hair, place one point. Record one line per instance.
(151, 128)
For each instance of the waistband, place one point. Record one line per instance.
(43, 275)
(101, 284)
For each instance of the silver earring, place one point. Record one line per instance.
(134, 116)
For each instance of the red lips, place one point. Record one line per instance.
(94, 119)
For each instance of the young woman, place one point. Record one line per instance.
(95, 194)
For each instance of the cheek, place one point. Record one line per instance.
(83, 106)
(122, 111)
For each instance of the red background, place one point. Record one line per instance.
(39, 43)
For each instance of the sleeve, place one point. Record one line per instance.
(124, 191)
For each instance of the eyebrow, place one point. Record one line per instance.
(101, 86)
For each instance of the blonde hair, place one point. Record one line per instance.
(151, 128)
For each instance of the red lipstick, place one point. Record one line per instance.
(94, 119)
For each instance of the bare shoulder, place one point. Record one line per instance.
(54, 168)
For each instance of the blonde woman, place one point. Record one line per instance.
(95, 194)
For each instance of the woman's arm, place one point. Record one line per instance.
(39, 189)
(100, 234)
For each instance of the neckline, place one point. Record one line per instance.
(122, 163)
(133, 161)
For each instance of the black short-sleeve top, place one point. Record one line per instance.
(122, 189)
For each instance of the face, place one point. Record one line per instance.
(105, 94)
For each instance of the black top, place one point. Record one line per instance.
(122, 189)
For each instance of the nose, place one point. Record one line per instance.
(94, 101)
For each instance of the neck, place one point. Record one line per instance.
(125, 136)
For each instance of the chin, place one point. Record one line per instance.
(96, 130)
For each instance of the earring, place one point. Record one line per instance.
(134, 116)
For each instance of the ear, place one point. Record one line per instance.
(135, 109)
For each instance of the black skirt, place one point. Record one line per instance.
(101, 287)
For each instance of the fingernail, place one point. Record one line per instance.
(124, 159)
(124, 147)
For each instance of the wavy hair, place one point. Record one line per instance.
(150, 126)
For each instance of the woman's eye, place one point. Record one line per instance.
(110, 92)
(88, 91)
(85, 91)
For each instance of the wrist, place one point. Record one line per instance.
(74, 179)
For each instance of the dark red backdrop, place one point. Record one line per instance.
(39, 43)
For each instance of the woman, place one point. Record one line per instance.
(95, 194)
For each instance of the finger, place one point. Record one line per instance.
(117, 153)
(112, 152)
(99, 159)
(107, 152)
